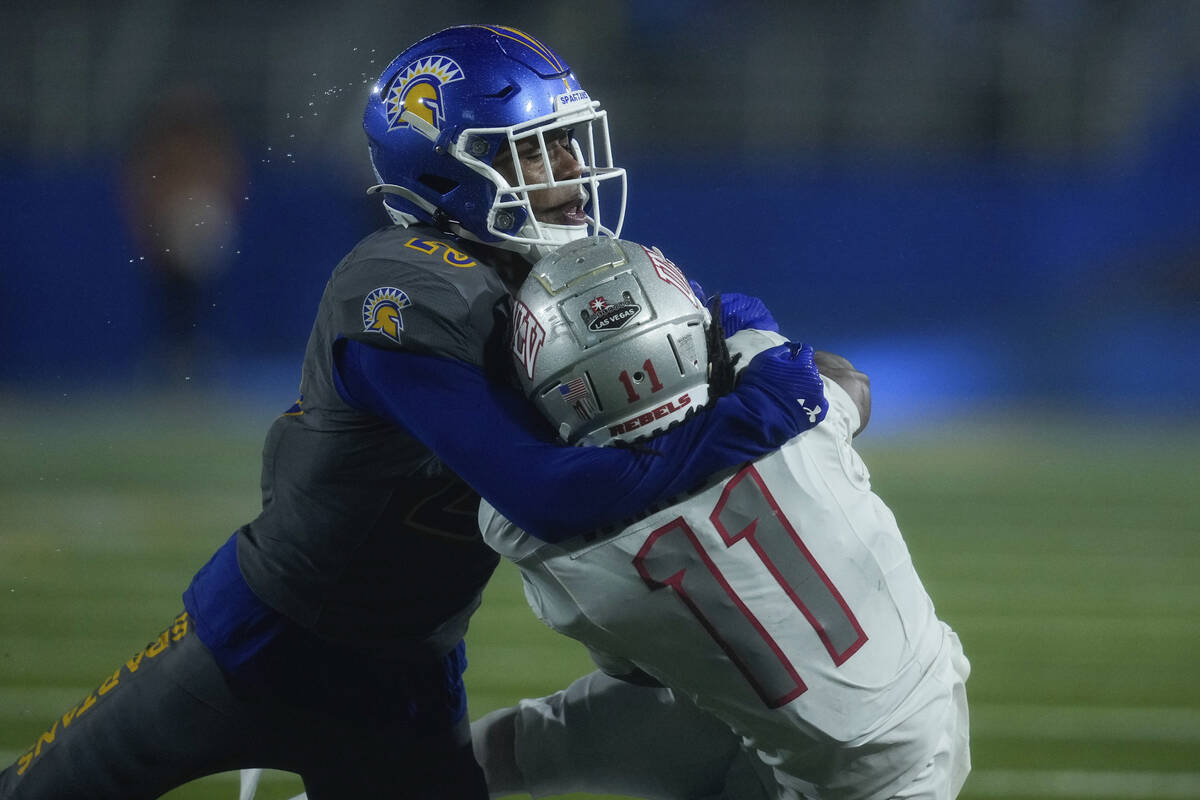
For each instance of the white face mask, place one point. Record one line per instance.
(593, 152)
(536, 239)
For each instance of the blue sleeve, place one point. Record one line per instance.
(498, 443)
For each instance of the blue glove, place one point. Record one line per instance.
(738, 311)
(788, 373)
(741, 311)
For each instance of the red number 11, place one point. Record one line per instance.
(673, 557)
(630, 394)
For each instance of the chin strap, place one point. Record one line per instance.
(409, 195)
(404, 220)
(553, 236)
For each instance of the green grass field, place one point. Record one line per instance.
(1068, 562)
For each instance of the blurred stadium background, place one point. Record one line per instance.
(989, 206)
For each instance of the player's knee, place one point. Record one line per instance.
(494, 738)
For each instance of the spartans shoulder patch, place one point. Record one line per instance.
(381, 312)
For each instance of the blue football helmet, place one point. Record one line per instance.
(446, 107)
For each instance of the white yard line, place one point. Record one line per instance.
(1077, 783)
(1087, 722)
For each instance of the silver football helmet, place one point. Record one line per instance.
(609, 341)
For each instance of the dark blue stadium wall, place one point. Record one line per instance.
(984, 267)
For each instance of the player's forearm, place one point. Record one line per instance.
(610, 485)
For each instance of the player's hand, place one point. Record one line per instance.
(738, 311)
(788, 372)
(742, 311)
(839, 370)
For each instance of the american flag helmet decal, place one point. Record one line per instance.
(577, 394)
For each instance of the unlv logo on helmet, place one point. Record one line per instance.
(528, 337)
(665, 268)
(415, 97)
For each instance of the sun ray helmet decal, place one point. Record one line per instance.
(415, 96)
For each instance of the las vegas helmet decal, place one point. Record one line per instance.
(381, 312)
(603, 315)
(417, 90)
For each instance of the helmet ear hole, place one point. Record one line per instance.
(503, 93)
(439, 183)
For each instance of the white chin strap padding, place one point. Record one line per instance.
(552, 236)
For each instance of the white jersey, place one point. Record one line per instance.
(782, 599)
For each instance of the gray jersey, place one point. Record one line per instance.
(365, 536)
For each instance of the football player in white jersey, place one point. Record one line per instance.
(788, 647)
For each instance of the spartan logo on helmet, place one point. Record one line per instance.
(415, 97)
(381, 312)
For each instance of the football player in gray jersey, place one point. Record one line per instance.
(325, 637)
